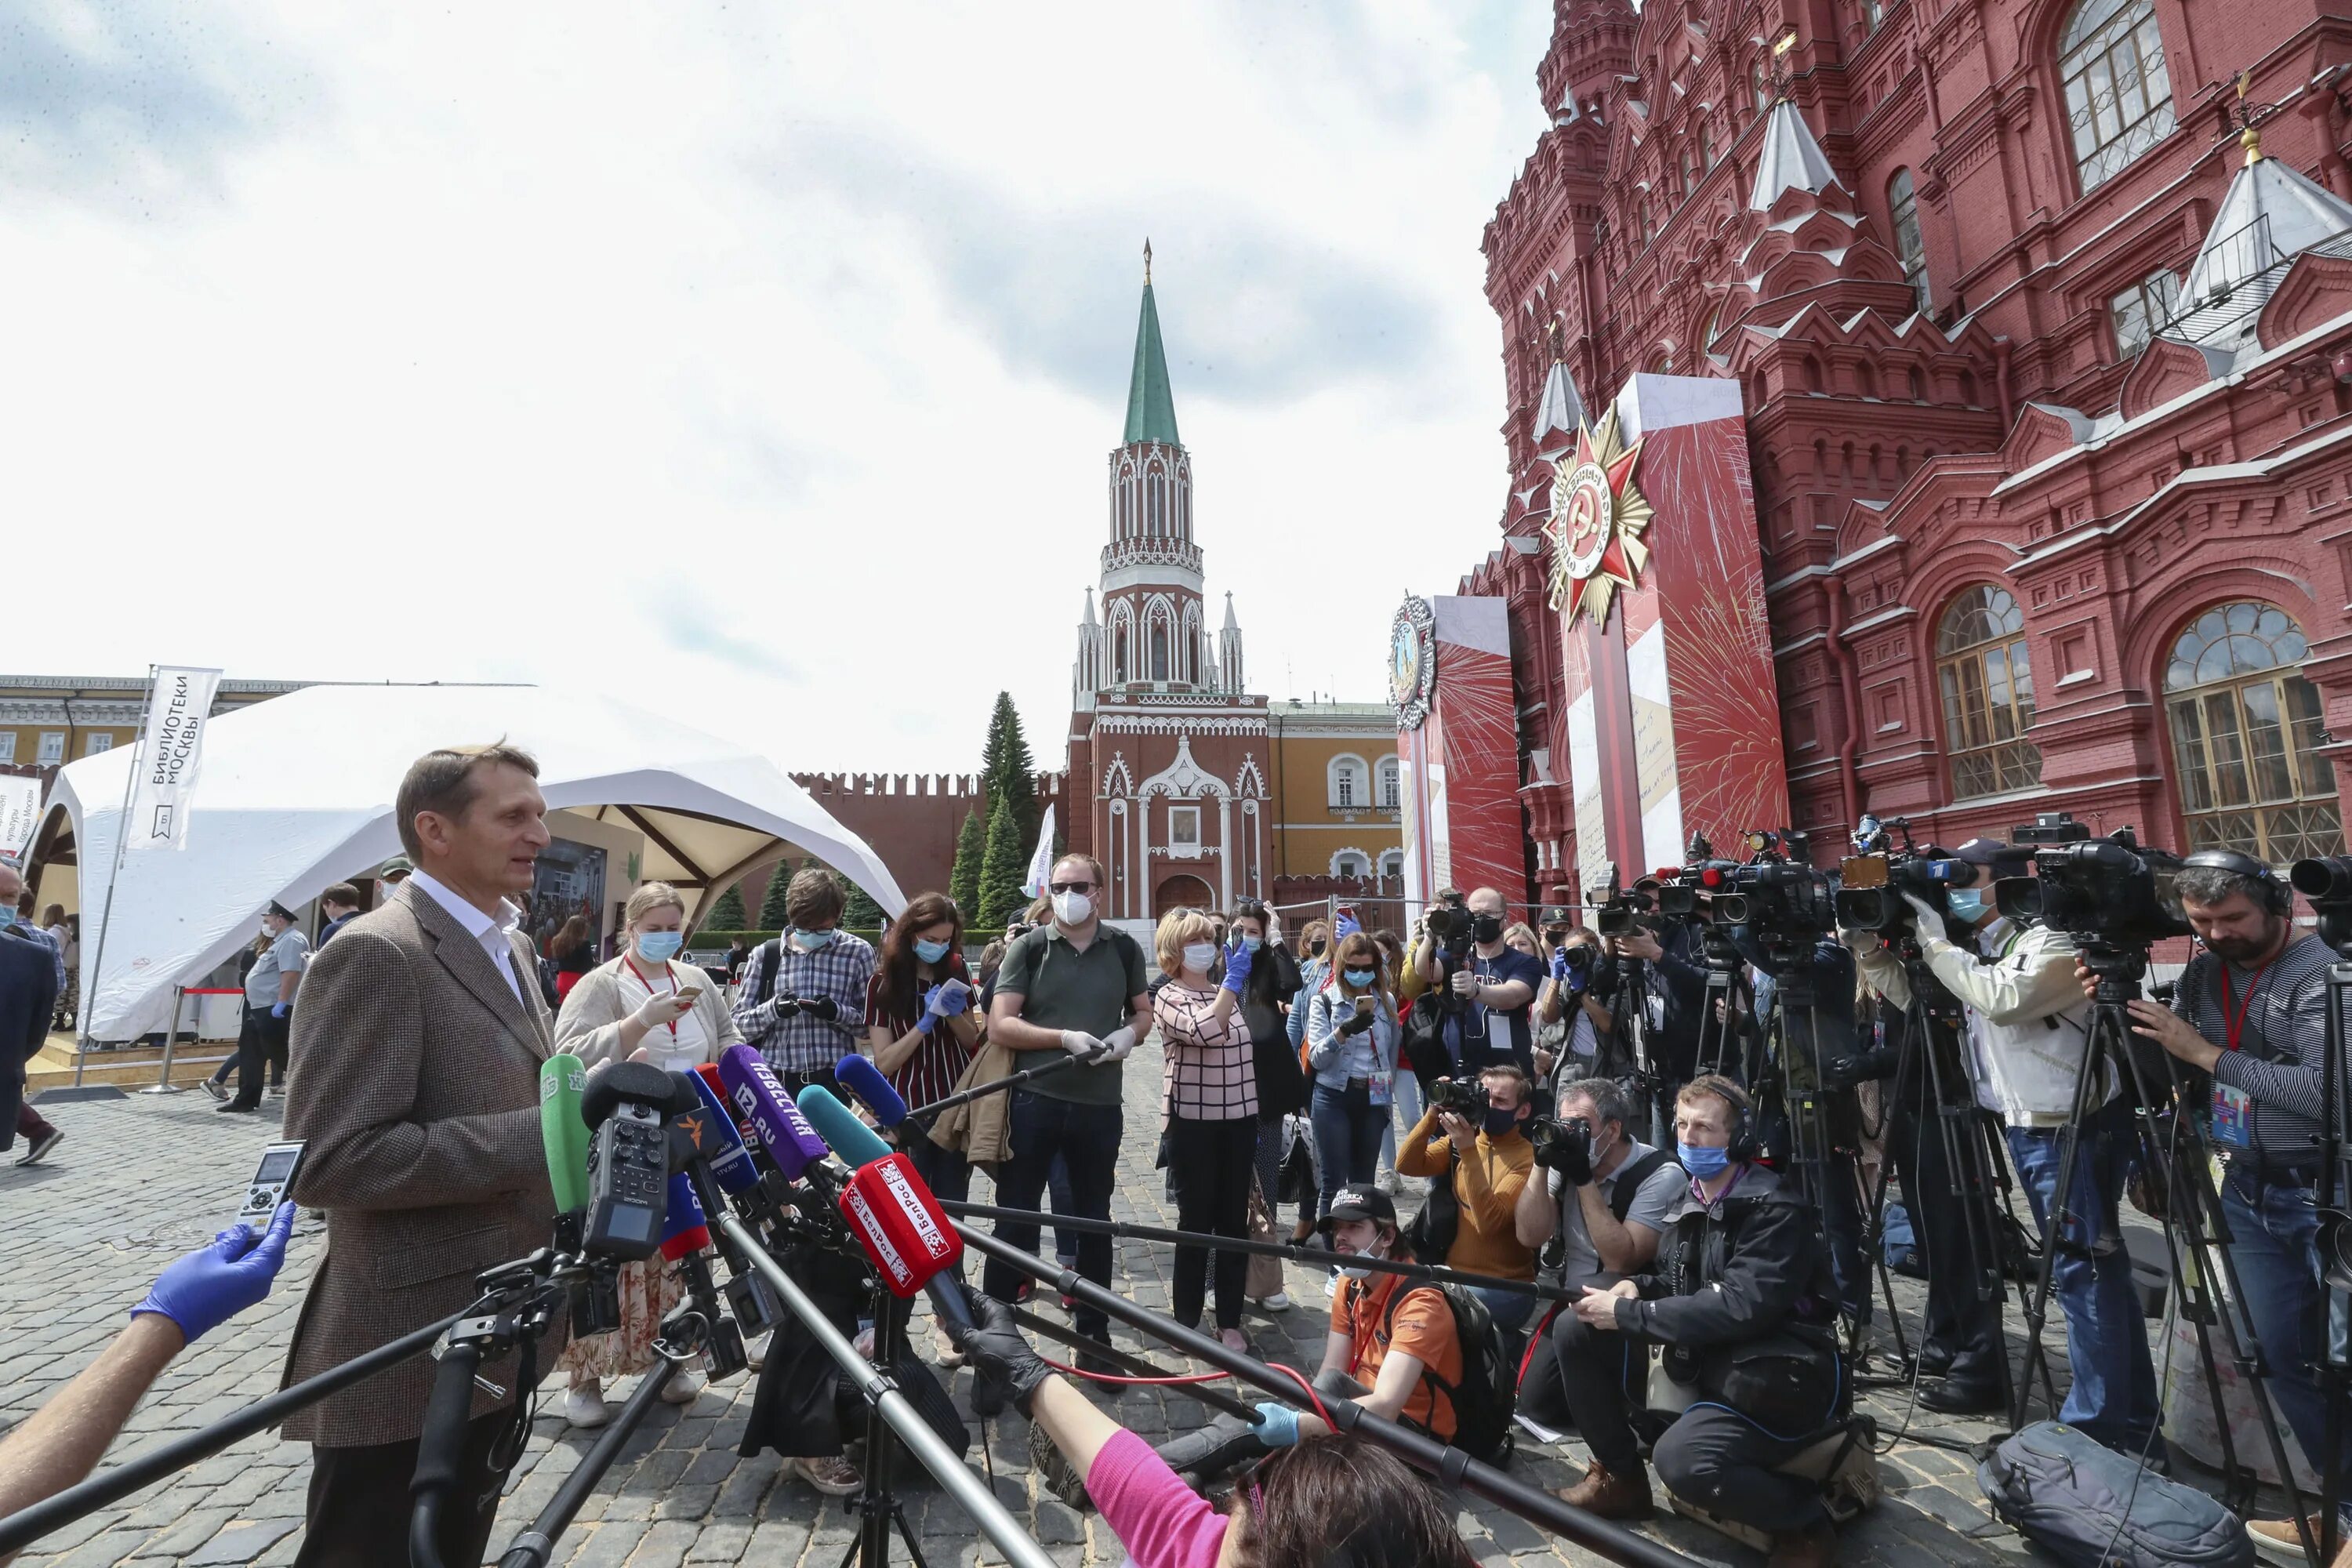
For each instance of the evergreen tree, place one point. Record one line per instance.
(1009, 775)
(963, 882)
(772, 906)
(726, 912)
(1002, 869)
(860, 912)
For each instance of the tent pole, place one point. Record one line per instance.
(106, 915)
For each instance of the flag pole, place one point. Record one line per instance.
(106, 914)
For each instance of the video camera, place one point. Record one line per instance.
(1449, 924)
(2107, 891)
(1871, 883)
(1619, 914)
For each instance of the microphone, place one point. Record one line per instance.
(684, 1229)
(864, 1079)
(784, 1132)
(561, 1131)
(710, 1126)
(897, 1223)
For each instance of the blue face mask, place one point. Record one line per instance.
(1359, 978)
(810, 940)
(929, 951)
(1252, 943)
(658, 946)
(1704, 1163)
(1966, 903)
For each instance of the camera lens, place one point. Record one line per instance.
(2329, 876)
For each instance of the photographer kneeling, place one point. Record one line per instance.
(1742, 1303)
(1320, 1500)
(2252, 1010)
(1488, 1162)
(2028, 1031)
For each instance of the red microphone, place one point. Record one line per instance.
(899, 1224)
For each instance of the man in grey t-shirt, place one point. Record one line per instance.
(1602, 1235)
(269, 987)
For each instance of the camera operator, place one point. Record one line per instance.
(1487, 1161)
(2027, 1034)
(1741, 1268)
(1574, 1029)
(1605, 1192)
(1671, 991)
(1490, 982)
(2252, 1010)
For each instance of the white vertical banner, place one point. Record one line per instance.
(1041, 862)
(20, 813)
(179, 712)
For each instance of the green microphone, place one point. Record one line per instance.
(561, 1131)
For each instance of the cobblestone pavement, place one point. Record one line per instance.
(140, 1180)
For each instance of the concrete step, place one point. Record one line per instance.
(133, 1066)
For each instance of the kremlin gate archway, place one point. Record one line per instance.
(1182, 892)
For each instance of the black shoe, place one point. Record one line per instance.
(1953, 1397)
(241, 1108)
(1100, 1366)
(42, 1146)
(1935, 1361)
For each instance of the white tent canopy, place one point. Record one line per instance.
(295, 794)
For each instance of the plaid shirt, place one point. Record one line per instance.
(1210, 1067)
(802, 1043)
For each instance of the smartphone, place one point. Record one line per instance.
(692, 993)
(272, 1180)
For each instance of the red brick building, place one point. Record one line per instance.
(2047, 366)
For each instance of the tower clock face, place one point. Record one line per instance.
(1411, 662)
(1404, 664)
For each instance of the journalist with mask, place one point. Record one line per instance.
(1274, 980)
(803, 1000)
(2251, 1011)
(1738, 1302)
(1208, 1109)
(1351, 1050)
(1483, 1162)
(2028, 1030)
(1484, 991)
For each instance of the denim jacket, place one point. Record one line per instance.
(1327, 1050)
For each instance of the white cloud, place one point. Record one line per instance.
(766, 361)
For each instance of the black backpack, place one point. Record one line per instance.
(1483, 1401)
(771, 951)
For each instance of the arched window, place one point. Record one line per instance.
(1119, 665)
(1159, 647)
(1903, 210)
(2118, 99)
(1705, 145)
(1988, 692)
(1351, 863)
(1392, 863)
(1759, 84)
(1388, 783)
(1691, 170)
(2246, 737)
(1349, 781)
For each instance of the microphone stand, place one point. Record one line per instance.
(994, 1086)
(532, 1548)
(893, 1409)
(1312, 1257)
(1599, 1536)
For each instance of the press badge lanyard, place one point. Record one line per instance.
(2235, 1023)
(2231, 1123)
(649, 986)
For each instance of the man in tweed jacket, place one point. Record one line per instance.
(414, 1081)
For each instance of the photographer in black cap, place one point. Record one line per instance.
(2252, 1011)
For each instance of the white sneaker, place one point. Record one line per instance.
(1390, 1182)
(1277, 1302)
(684, 1387)
(832, 1475)
(585, 1406)
(755, 1354)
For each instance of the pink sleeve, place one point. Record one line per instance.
(1163, 1522)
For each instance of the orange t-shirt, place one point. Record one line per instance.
(1422, 1329)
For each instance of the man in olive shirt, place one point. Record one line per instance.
(1076, 985)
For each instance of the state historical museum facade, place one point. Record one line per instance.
(2042, 323)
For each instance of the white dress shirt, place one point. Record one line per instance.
(491, 933)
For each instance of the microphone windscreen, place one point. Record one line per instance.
(864, 1079)
(561, 1134)
(636, 1083)
(715, 1137)
(754, 1092)
(684, 1227)
(839, 1127)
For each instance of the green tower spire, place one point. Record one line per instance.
(1151, 406)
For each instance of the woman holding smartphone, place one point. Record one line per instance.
(1351, 1048)
(640, 1006)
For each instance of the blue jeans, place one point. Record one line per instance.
(1087, 1138)
(1346, 1140)
(1407, 1112)
(2114, 1394)
(2273, 1231)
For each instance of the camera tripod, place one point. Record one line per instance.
(2334, 908)
(1930, 1059)
(2196, 1234)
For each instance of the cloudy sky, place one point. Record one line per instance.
(763, 357)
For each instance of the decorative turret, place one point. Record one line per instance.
(1229, 652)
(1793, 159)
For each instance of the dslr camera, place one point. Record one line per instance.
(1462, 1097)
(1562, 1146)
(2105, 891)
(1450, 922)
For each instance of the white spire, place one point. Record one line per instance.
(1791, 159)
(1091, 609)
(1231, 624)
(2272, 214)
(1559, 408)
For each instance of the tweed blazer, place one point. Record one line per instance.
(414, 1081)
(590, 1025)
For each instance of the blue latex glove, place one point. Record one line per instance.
(930, 1010)
(215, 1283)
(1238, 959)
(280, 1009)
(1347, 927)
(1560, 965)
(951, 998)
(1278, 1425)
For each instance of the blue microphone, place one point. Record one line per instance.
(864, 1079)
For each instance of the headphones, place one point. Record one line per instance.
(1745, 1145)
(2277, 896)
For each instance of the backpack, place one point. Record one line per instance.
(771, 953)
(1538, 1362)
(1483, 1401)
(2090, 1506)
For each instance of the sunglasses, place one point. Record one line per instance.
(1071, 886)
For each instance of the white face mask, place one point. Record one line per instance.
(1200, 955)
(1072, 909)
